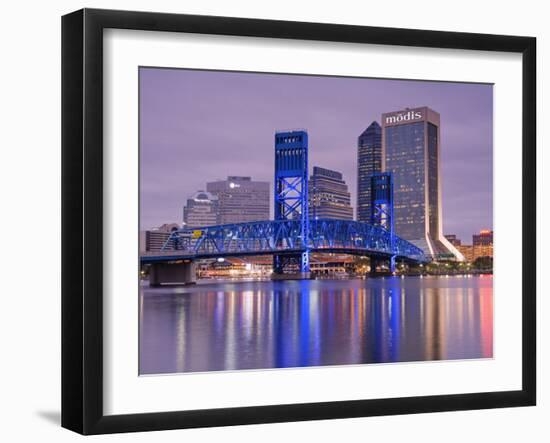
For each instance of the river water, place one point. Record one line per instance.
(216, 326)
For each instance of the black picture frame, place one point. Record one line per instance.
(82, 218)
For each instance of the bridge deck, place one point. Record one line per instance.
(284, 237)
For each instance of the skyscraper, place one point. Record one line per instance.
(484, 238)
(328, 195)
(240, 199)
(411, 151)
(201, 209)
(369, 162)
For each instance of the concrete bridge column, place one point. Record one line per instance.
(184, 273)
(281, 262)
(374, 263)
(377, 262)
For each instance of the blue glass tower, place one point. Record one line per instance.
(411, 145)
(291, 195)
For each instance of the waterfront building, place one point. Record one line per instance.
(483, 243)
(369, 162)
(235, 267)
(482, 251)
(154, 239)
(471, 252)
(411, 151)
(335, 265)
(467, 252)
(240, 199)
(482, 246)
(200, 210)
(328, 195)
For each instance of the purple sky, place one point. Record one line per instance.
(198, 126)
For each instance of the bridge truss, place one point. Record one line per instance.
(280, 237)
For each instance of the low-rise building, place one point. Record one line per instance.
(154, 239)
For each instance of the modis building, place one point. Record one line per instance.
(411, 151)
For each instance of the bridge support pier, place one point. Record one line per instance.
(376, 263)
(291, 266)
(392, 264)
(173, 273)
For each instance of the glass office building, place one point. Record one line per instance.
(328, 195)
(369, 162)
(411, 151)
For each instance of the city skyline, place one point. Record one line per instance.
(199, 126)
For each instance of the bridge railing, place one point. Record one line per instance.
(286, 236)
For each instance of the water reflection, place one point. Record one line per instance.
(254, 325)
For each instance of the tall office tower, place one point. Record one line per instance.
(411, 151)
(484, 238)
(328, 195)
(240, 199)
(369, 162)
(201, 209)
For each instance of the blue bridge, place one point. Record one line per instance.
(284, 237)
(293, 236)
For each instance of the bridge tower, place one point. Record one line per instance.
(291, 195)
(382, 207)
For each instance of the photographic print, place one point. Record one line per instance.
(294, 221)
